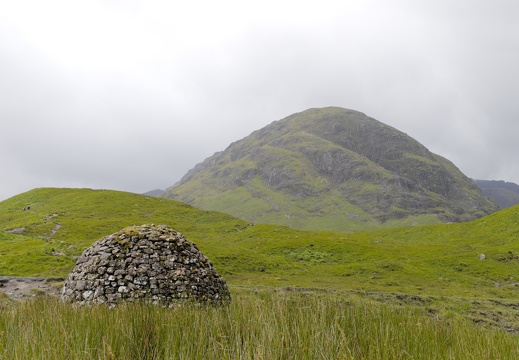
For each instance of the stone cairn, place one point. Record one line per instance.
(151, 263)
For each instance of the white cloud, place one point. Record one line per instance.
(92, 91)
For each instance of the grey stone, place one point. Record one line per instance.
(104, 255)
(159, 265)
(80, 285)
(88, 295)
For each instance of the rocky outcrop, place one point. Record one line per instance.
(151, 263)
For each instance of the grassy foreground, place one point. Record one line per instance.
(267, 325)
(425, 287)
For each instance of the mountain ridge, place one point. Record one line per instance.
(331, 168)
(504, 194)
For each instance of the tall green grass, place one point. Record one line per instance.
(276, 325)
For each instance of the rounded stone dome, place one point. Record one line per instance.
(147, 262)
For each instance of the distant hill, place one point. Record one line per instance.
(156, 192)
(333, 169)
(504, 194)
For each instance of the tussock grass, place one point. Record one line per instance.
(268, 325)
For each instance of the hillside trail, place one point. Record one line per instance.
(20, 288)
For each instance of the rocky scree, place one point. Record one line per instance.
(150, 263)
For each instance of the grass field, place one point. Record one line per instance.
(439, 260)
(268, 325)
(296, 294)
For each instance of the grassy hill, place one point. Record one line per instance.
(66, 221)
(427, 260)
(422, 278)
(332, 169)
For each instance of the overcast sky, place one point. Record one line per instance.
(130, 95)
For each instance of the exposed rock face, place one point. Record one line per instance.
(151, 263)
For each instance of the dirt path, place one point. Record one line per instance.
(20, 288)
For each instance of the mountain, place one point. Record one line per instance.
(504, 194)
(156, 192)
(334, 169)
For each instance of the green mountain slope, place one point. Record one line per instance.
(434, 260)
(332, 169)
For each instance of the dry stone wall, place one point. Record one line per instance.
(147, 262)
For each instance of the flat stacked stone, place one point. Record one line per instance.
(147, 262)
